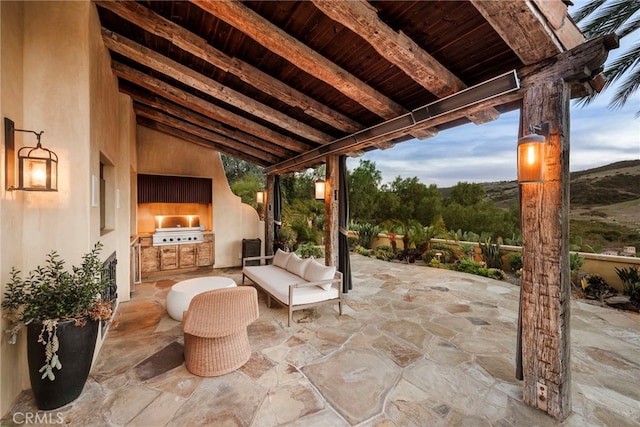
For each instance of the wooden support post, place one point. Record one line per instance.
(546, 276)
(331, 219)
(269, 235)
(544, 210)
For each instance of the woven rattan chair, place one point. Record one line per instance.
(215, 330)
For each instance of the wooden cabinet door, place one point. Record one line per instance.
(150, 259)
(204, 254)
(187, 256)
(168, 257)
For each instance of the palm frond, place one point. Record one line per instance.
(610, 17)
(627, 88)
(587, 10)
(626, 61)
(629, 28)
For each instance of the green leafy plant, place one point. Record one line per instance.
(366, 233)
(630, 278)
(575, 261)
(309, 250)
(50, 294)
(363, 251)
(385, 253)
(466, 265)
(467, 249)
(440, 252)
(515, 260)
(491, 254)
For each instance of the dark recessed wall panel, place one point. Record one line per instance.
(173, 189)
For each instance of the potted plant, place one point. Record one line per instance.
(62, 311)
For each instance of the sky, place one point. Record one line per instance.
(486, 153)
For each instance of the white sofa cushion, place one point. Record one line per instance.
(297, 265)
(276, 281)
(316, 272)
(281, 258)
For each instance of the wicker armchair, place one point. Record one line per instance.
(215, 330)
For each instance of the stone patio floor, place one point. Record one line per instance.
(416, 346)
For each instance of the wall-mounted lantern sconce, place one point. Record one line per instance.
(531, 154)
(261, 196)
(319, 187)
(37, 166)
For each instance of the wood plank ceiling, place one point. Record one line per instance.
(267, 81)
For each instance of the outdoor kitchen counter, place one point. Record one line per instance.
(175, 258)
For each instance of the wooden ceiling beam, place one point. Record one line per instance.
(208, 109)
(392, 138)
(526, 30)
(186, 75)
(221, 141)
(579, 64)
(192, 117)
(362, 18)
(498, 91)
(188, 137)
(197, 46)
(399, 49)
(300, 55)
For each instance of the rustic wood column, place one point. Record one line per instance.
(546, 278)
(269, 236)
(544, 209)
(331, 219)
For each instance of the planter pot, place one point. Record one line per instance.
(76, 347)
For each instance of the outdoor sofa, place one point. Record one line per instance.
(294, 282)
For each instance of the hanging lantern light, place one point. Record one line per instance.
(531, 157)
(37, 167)
(320, 188)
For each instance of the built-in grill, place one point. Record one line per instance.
(177, 229)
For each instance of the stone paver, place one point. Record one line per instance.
(415, 346)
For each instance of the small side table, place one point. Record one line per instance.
(183, 292)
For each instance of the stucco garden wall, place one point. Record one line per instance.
(602, 265)
(232, 220)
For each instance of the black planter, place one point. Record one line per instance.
(76, 347)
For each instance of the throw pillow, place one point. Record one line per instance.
(316, 272)
(281, 258)
(297, 265)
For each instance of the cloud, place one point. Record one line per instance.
(485, 153)
(471, 153)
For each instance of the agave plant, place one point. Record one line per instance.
(631, 282)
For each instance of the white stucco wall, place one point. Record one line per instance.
(232, 220)
(12, 357)
(55, 76)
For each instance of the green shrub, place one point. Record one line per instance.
(575, 261)
(466, 265)
(446, 254)
(630, 278)
(515, 261)
(309, 250)
(366, 233)
(491, 254)
(385, 254)
(363, 251)
(467, 249)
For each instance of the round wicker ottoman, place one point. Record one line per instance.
(183, 292)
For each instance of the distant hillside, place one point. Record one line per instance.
(604, 203)
(606, 185)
